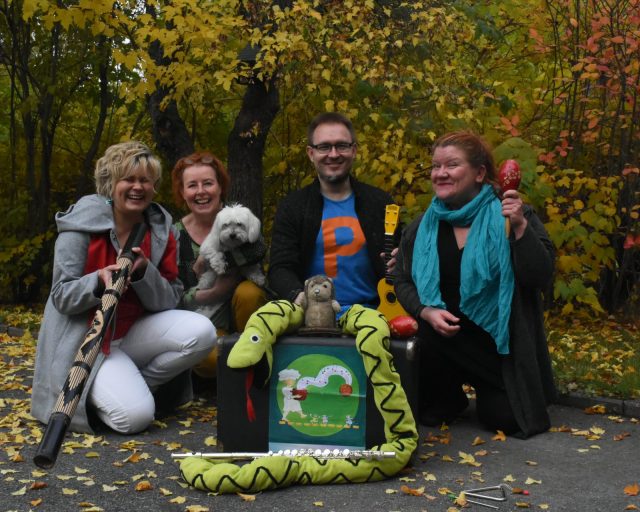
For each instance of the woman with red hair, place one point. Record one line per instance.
(476, 294)
(200, 183)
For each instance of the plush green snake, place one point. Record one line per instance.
(372, 341)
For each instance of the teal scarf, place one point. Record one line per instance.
(486, 276)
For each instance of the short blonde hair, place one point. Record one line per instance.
(120, 160)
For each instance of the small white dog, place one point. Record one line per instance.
(235, 228)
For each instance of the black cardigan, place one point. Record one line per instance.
(296, 226)
(526, 370)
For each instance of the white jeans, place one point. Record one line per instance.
(157, 348)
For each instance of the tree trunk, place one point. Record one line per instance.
(246, 143)
(169, 130)
(105, 103)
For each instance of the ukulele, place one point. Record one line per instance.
(389, 305)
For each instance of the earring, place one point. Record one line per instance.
(109, 201)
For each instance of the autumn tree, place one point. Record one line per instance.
(552, 84)
(47, 64)
(589, 111)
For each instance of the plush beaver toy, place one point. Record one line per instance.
(320, 306)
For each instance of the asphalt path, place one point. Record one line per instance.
(584, 464)
(587, 462)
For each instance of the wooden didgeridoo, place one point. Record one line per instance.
(509, 177)
(69, 397)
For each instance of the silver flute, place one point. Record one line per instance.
(303, 452)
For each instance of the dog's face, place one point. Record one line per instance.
(236, 225)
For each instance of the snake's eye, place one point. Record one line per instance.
(255, 338)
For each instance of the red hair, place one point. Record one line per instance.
(476, 150)
(198, 158)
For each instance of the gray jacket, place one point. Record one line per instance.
(74, 294)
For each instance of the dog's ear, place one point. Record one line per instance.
(253, 227)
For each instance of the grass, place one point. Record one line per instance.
(595, 356)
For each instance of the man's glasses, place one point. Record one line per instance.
(325, 148)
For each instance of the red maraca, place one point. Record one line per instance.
(509, 177)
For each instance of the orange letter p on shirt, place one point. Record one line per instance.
(332, 248)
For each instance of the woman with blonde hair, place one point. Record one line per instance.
(149, 342)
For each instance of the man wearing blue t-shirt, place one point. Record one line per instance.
(335, 226)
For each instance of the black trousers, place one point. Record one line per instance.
(448, 363)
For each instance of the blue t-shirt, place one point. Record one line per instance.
(341, 254)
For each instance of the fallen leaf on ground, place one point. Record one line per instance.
(530, 481)
(144, 485)
(35, 503)
(632, 489)
(390, 491)
(413, 492)
(178, 499)
(477, 441)
(318, 504)
(500, 436)
(68, 491)
(466, 458)
(247, 497)
(461, 500)
(37, 485)
(596, 409)
(134, 457)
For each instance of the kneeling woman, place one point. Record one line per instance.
(477, 294)
(149, 342)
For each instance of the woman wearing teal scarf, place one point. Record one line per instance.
(476, 294)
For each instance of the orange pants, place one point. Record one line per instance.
(247, 298)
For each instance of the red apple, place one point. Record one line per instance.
(299, 394)
(403, 326)
(346, 390)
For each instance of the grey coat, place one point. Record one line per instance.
(74, 294)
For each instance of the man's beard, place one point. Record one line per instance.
(334, 179)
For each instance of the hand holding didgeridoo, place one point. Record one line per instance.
(69, 397)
